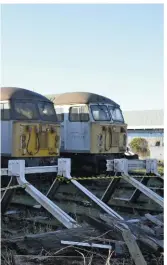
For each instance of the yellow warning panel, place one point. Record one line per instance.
(108, 138)
(35, 139)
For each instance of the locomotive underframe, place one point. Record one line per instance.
(88, 164)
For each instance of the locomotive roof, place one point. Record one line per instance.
(9, 93)
(79, 98)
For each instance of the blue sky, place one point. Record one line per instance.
(114, 49)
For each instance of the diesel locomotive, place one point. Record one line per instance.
(92, 129)
(29, 127)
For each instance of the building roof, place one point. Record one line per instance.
(145, 119)
(9, 93)
(79, 98)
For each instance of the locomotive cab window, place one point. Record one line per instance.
(60, 114)
(116, 114)
(100, 113)
(5, 111)
(25, 110)
(79, 114)
(47, 111)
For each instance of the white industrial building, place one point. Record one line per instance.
(148, 124)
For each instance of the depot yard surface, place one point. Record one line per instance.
(43, 246)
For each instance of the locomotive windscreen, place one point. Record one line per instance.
(116, 114)
(106, 113)
(100, 113)
(25, 110)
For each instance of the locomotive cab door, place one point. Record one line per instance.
(76, 128)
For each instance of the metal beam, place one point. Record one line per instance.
(42, 169)
(83, 244)
(4, 172)
(53, 188)
(8, 194)
(137, 192)
(125, 165)
(64, 169)
(101, 204)
(17, 168)
(34, 170)
(110, 190)
(149, 193)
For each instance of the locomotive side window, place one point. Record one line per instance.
(1, 111)
(25, 110)
(84, 115)
(1, 105)
(60, 114)
(5, 111)
(74, 114)
(47, 111)
(78, 114)
(100, 113)
(116, 114)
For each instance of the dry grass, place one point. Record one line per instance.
(7, 257)
(89, 258)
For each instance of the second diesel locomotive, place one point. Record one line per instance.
(92, 129)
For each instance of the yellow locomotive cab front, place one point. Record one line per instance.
(35, 139)
(108, 138)
(29, 127)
